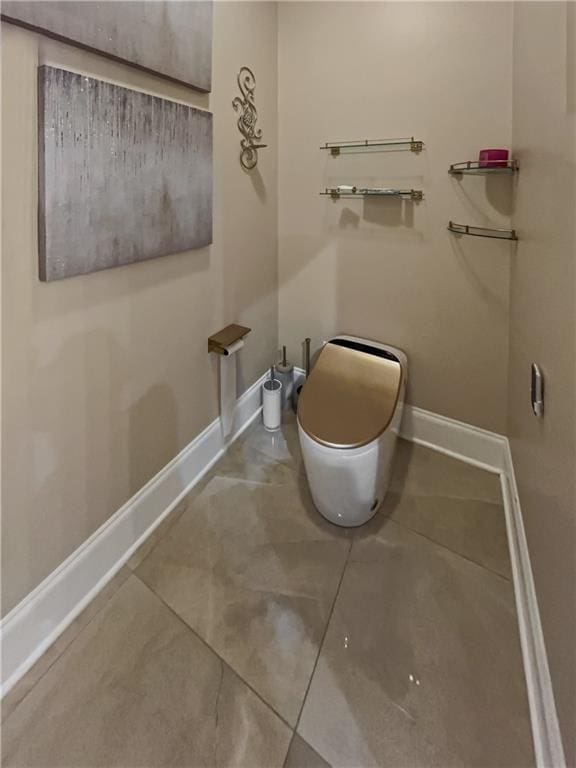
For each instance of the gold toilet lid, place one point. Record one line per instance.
(349, 398)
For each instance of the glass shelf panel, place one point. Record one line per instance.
(494, 234)
(373, 145)
(474, 167)
(410, 194)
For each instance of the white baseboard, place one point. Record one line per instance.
(35, 623)
(455, 438)
(548, 748)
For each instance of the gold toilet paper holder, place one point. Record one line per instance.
(219, 342)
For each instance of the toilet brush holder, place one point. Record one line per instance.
(272, 404)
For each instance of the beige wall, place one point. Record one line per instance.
(543, 321)
(106, 376)
(383, 269)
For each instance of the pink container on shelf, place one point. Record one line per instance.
(493, 158)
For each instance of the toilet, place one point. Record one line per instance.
(349, 415)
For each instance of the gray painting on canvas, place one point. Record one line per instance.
(123, 176)
(172, 38)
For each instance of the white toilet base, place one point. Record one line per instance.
(348, 485)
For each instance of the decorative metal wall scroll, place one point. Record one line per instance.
(247, 120)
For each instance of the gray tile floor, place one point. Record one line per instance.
(247, 631)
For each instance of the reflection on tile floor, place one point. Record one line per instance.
(247, 631)
(254, 572)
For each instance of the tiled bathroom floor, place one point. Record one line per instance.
(247, 631)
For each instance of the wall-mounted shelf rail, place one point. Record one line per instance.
(494, 234)
(406, 194)
(476, 167)
(373, 145)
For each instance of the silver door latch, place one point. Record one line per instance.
(537, 391)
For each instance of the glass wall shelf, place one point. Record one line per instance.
(373, 145)
(474, 167)
(407, 194)
(494, 234)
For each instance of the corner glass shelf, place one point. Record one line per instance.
(494, 234)
(475, 167)
(373, 145)
(406, 194)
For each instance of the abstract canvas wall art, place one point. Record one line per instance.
(167, 37)
(123, 176)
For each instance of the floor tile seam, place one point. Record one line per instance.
(310, 747)
(286, 432)
(488, 502)
(220, 658)
(189, 508)
(288, 463)
(244, 442)
(327, 539)
(437, 544)
(244, 590)
(67, 646)
(274, 543)
(274, 593)
(284, 762)
(246, 481)
(321, 646)
(263, 483)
